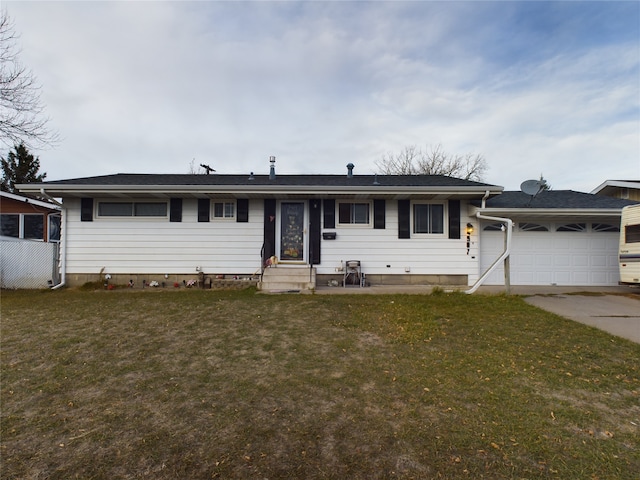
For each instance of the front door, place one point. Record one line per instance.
(292, 238)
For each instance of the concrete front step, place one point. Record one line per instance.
(283, 278)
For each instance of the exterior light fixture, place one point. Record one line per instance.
(469, 232)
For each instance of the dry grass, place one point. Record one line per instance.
(201, 385)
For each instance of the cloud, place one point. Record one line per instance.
(535, 87)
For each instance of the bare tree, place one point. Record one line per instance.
(412, 160)
(21, 111)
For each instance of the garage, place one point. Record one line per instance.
(561, 252)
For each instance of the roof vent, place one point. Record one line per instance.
(272, 169)
(350, 167)
(251, 177)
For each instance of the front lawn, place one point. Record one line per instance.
(197, 384)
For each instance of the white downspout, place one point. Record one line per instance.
(504, 256)
(63, 240)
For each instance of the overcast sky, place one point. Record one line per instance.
(146, 87)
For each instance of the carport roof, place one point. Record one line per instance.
(552, 203)
(555, 199)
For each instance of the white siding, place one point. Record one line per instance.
(157, 246)
(148, 245)
(423, 255)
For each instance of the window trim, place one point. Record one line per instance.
(224, 202)
(445, 222)
(369, 223)
(21, 226)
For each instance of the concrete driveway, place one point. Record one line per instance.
(616, 314)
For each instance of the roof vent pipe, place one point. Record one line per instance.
(272, 169)
(350, 170)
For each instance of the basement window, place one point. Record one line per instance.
(132, 209)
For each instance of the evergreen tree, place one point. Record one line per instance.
(20, 167)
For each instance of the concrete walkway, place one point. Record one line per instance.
(616, 314)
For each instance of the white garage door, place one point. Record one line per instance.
(554, 254)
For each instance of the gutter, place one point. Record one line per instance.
(63, 240)
(503, 257)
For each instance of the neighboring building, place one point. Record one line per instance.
(27, 218)
(29, 240)
(625, 189)
(402, 229)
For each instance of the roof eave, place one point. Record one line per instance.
(260, 190)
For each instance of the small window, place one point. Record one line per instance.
(572, 227)
(493, 227)
(10, 225)
(604, 227)
(532, 227)
(34, 227)
(353, 213)
(632, 233)
(224, 209)
(428, 218)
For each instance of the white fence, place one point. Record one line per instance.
(28, 264)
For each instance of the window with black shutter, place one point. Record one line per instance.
(86, 209)
(329, 210)
(243, 210)
(175, 210)
(404, 219)
(379, 214)
(204, 207)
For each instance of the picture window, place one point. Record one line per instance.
(428, 218)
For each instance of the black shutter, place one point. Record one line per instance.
(404, 219)
(454, 218)
(269, 246)
(175, 210)
(204, 209)
(86, 209)
(378, 213)
(242, 205)
(329, 207)
(314, 232)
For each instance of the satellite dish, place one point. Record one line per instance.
(531, 187)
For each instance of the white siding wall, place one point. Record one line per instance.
(423, 255)
(147, 245)
(157, 246)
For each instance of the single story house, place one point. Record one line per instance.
(387, 229)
